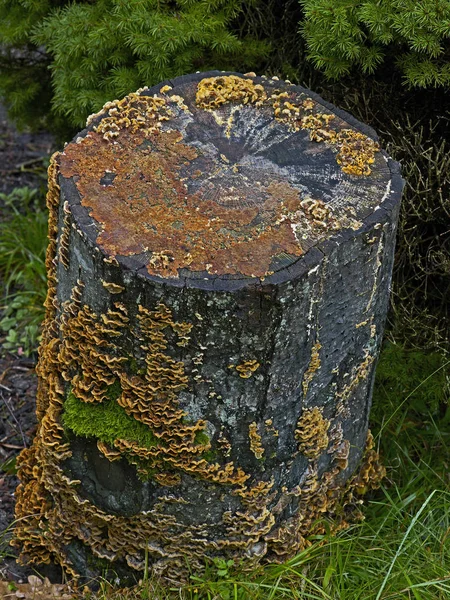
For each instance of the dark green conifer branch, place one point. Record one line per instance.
(347, 35)
(91, 52)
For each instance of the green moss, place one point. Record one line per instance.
(210, 456)
(145, 472)
(201, 437)
(114, 391)
(106, 421)
(133, 366)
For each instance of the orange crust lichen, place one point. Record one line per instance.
(359, 373)
(237, 228)
(64, 238)
(212, 92)
(247, 368)
(325, 503)
(314, 365)
(181, 229)
(135, 112)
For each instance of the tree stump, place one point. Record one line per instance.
(220, 254)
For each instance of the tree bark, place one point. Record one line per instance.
(220, 255)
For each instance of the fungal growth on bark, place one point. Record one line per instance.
(219, 262)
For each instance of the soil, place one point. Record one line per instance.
(23, 156)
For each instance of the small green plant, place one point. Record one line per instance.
(23, 242)
(223, 567)
(9, 466)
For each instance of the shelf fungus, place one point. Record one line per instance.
(211, 219)
(247, 368)
(312, 432)
(255, 440)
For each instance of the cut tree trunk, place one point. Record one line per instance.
(220, 254)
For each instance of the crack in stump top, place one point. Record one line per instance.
(196, 183)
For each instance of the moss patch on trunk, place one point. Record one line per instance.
(106, 421)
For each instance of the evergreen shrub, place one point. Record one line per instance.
(91, 52)
(346, 35)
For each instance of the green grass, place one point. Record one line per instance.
(23, 242)
(402, 548)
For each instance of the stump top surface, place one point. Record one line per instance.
(219, 175)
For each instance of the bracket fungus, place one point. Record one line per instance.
(219, 259)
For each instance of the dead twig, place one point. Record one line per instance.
(12, 446)
(20, 168)
(11, 412)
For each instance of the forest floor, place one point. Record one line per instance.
(20, 155)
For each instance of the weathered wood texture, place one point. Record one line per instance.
(219, 265)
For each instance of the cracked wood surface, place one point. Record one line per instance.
(178, 186)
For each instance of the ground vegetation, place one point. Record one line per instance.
(393, 76)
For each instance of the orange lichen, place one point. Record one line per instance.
(322, 500)
(160, 261)
(108, 452)
(134, 112)
(310, 218)
(113, 288)
(356, 152)
(359, 374)
(168, 479)
(270, 428)
(64, 238)
(181, 229)
(229, 224)
(47, 496)
(224, 443)
(312, 432)
(87, 357)
(255, 440)
(370, 473)
(52, 205)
